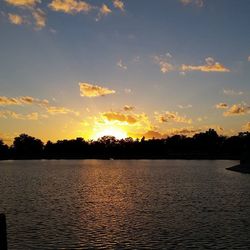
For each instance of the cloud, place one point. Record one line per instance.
(70, 6)
(183, 131)
(198, 3)
(128, 91)
(153, 134)
(54, 110)
(117, 116)
(5, 101)
(40, 18)
(231, 92)
(221, 105)
(128, 108)
(90, 90)
(23, 3)
(248, 58)
(185, 106)
(15, 19)
(105, 10)
(163, 62)
(210, 66)
(246, 126)
(171, 117)
(237, 109)
(121, 65)
(13, 115)
(119, 5)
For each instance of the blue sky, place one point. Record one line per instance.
(181, 66)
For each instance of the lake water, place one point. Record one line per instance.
(129, 204)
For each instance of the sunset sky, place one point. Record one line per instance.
(71, 68)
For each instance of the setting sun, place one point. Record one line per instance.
(112, 131)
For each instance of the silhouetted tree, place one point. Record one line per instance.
(27, 147)
(4, 150)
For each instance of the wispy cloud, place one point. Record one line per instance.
(185, 106)
(4, 101)
(248, 58)
(40, 18)
(171, 117)
(210, 66)
(128, 108)
(15, 19)
(91, 90)
(54, 110)
(164, 63)
(23, 3)
(119, 5)
(103, 11)
(231, 92)
(121, 65)
(221, 105)
(70, 6)
(198, 3)
(6, 114)
(237, 109)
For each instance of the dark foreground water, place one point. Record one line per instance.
(130, 204)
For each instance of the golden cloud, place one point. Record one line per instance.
(118, 4)
(105, 10)
(117, 116)
(13, 115)
(210, 66)
(5, 101)
(69, 6)
(171, 117)
(54, 110)
(237, 109)
(90, 90)
(15, 19)
(23, 3)
(40, 18)
(221, 105)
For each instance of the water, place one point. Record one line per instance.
(130, 204)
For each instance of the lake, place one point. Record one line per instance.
(127, 204)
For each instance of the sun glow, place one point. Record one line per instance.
(112, 131)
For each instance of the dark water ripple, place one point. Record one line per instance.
(125, 205)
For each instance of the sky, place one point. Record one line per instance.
(71, 68)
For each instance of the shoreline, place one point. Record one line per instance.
(241, 168)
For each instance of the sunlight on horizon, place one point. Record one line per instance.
(111, 131)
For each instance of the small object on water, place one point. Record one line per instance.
(3, 232)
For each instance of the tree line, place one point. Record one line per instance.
(204, 145)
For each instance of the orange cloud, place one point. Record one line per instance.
(117, 116)
(105, 10)
(5, 101)
(23, 3)
(210, 66)
(246, 126)
(15, 19)
(171, 117)
(119, 5)
(70, 6)
(54, 110)
(237, 109)
(221, 105)
(90, 90)
(11, 114)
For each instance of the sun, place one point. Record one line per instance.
(111, 131)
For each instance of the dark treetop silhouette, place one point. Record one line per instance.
(205, 145)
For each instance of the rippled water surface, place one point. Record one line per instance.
(130, 204)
